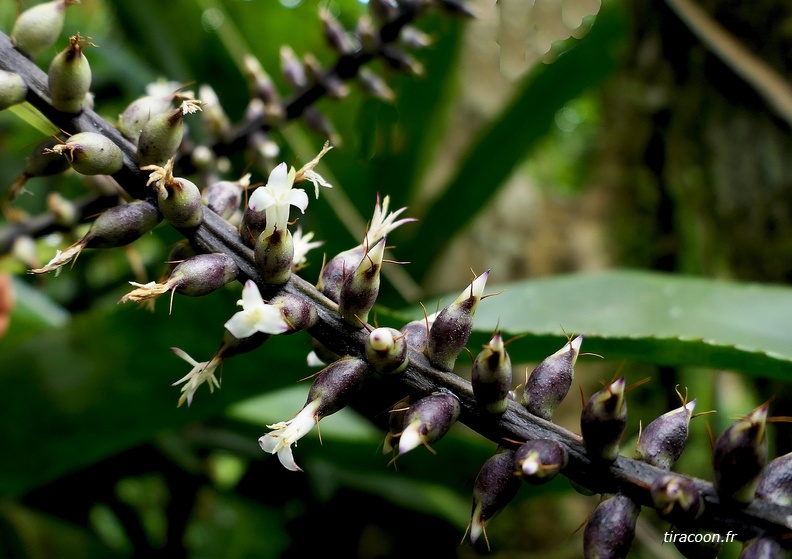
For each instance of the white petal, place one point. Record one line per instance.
(287, 459)
(269, 442)
(270, 320)
(313, 360)
(261, 199)
(251, 296)
(279, 179)
(297, 197)
(183, 354)
(242, 325)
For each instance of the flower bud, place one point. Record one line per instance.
(676, 498)
(215, 118)
(360, 289)
(336, 271)
(179, 199)
(540, 460)
(491, 377)
(763, 547)
(428, 420)
(367, 35)
(452, 327)
(400, 61)
(550, 381)
(413, 38)
(611, 528)
(292, 69)
(37, 28)
(69, 77)
(252, 225)
(90, 153)
(224, 197)
(40, 163)
(298, 312)
(386, 350)
(494, 488)
(274, 255)
(260, 83)
(383, 10)
(116, 227)
(195, 277)
(662, 441)
(162, 135)
(334, 33)
(329, 393)
(375, 86)
(13, 89)
(336, 88)
(140, 112)
(775, 483)
(739, 456)
(604, 420)
(416, 333)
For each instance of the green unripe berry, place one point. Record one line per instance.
(161, 137)
(37, 28)
(121, 225)
(116, 227)
(69, 77)
(90, 153)
(274, 255)
(195, 277)
(179, 199)
(139, 113)
(13, 89)
(41, 163)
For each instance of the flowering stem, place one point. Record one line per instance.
(631, 477)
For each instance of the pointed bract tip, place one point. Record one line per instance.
(377, 252)
(496, 343)
(476, 524)
(410, 438)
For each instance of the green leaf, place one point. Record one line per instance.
(102, 384)
(33, 312)
(517, 130)
(650, 317)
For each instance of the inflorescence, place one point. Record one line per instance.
(255, 243)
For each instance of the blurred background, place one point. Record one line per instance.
(571, 139)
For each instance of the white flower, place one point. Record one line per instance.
(200, 373)
(286, 433)
(255, 316)
(383, 222)
(277, 197)
(303, 244)
(307, 173)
